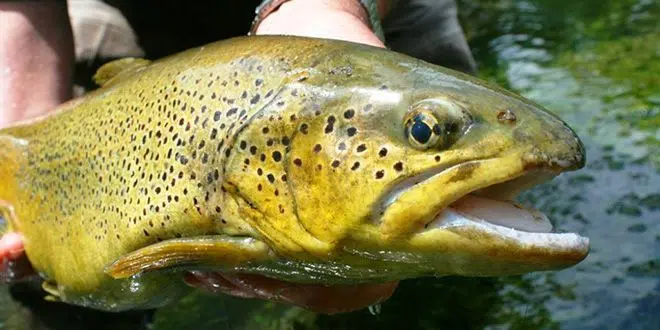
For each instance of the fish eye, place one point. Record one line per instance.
(435, 123)
(423, 129)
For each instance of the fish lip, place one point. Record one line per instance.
(559, 242)
(491, 250)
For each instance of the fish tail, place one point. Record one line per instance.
(10, 159)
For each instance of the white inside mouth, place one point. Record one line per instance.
(450, 218)
(501, 213)
(528, 227)
(478, 206)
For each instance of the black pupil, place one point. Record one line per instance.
(420, 131)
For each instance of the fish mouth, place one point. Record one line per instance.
(477, 229)
(495, 206)
(494, 210)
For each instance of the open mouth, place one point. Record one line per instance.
(493, 210)
(489, 208)
(494, 205)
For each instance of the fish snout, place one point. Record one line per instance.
(550, 144)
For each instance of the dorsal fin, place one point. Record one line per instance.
(114, 70)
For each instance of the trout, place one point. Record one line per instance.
(305, 160)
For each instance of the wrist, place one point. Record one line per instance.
(332, 19)
(36, 58)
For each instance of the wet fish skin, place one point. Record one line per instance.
(266, 155)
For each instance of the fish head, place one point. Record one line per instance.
(409, 169)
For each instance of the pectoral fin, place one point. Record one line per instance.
(222, 251)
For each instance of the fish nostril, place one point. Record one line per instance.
(506, 117)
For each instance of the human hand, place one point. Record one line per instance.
(14, 265)
(337, 19)
(36, 58)
(36, 63)
(315, 297)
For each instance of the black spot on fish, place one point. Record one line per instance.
(348, 114)
(330, 125)
(277, 156)
(380, 174)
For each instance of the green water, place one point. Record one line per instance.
(597, 64)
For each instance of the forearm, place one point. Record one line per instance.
(36, 58)
(333, 19)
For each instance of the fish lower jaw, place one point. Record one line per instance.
(505, 220)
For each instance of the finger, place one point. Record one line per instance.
(14, 264)
(318, 298)
(215, 283)
(11, 246)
